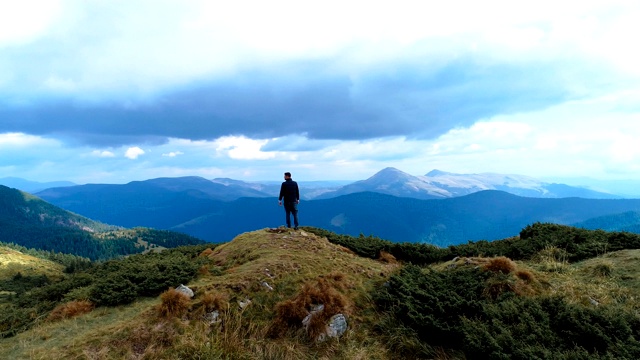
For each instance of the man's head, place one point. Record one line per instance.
(287, 175)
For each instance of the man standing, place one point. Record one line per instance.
(289, 191)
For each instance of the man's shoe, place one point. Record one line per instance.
(295, 228)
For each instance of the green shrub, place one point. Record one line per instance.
(480, 314)
(112, 291)
(527, 328)
(432, 303)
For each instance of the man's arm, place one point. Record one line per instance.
(297, 193)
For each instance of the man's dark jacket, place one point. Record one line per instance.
(289, 191)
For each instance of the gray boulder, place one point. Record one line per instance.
(185, 290)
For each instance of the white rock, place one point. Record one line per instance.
(185, 290)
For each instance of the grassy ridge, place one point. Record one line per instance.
(552, 292)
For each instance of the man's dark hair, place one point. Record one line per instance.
(287, 174)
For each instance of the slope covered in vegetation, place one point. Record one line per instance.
(30, 222)
(552, 292)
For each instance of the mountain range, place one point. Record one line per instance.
(32, 186)
(438, 184)
(488, 214)
(435, 184)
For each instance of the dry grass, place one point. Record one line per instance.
(291, 312)
(204, 270)
(301, 267)
(387, 258)
(610, 279)
(501, 264)
(526, 275)
(552, 259)
(215, 301)
(206, 252)
(70, 309)
(174, 304)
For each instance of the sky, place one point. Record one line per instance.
(111, 91)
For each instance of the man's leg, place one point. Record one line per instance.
(287, 211)
(295, 214)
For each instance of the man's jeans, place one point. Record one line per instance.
(291, 208)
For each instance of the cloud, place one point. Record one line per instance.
(103, 153)
(499, 86)
(241, 148)
(435, 70)
(133, 153)
(173, 153)
(23, 21)
(412, 100)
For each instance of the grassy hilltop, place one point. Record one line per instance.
(552, 292)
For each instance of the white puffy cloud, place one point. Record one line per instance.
(242, 148)
(133, 152)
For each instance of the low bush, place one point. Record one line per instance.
(528, 328)
(492, 315)
(432, 303)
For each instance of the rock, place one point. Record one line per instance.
(212, 317)
(266, 284)
(314, 310)
(185, 290)
(593, 301)
(337, 326)
(268, 273)
(244, 303)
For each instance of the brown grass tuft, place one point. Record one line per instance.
(174, 304)
(498, 286)
(70, 309)
(387, 258)
(203, 270)
(215, 301)
(206, 252)
(526, 276)
(501, 265)
(291, 312)
(603, 270)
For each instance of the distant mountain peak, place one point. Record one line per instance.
(389, 170)
(436, 172)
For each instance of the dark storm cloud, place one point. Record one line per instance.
(404, 100)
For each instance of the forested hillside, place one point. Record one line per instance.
(30, 222)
